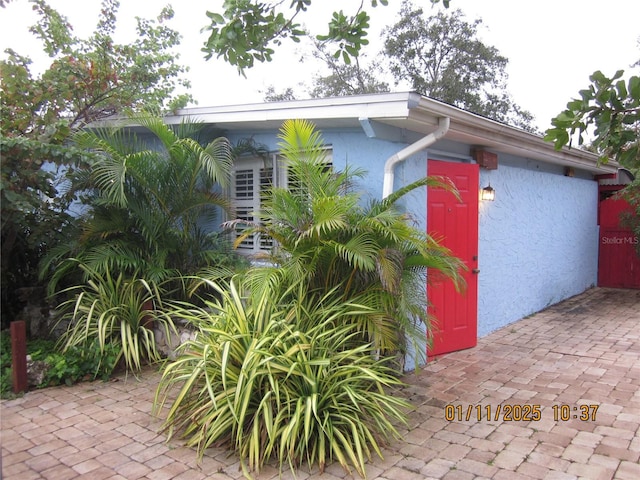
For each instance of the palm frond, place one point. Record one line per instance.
(300, 139)
(156, 125)
(216, 160)
(429, 181)
(359, 252)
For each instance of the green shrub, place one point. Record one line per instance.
(77, 364)
(116, 314)
(74, 365)
(275, 378)
(149, 198)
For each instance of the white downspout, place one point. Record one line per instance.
(443, 128)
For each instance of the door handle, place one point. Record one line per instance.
(475, 271)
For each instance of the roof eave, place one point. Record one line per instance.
(484, 132)
(408, 110)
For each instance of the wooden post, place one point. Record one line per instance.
(19, 356)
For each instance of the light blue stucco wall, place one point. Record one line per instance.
(538, 242)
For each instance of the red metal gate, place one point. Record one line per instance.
(618, 261)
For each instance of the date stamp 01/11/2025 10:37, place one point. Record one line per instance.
(518, 412)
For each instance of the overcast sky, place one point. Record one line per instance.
(552, 45)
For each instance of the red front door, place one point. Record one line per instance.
(454, 314)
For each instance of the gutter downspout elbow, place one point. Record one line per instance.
(433, 137)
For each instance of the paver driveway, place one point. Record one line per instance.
(584, 351)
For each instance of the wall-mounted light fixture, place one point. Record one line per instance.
(488, 194)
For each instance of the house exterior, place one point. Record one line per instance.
(534, 245)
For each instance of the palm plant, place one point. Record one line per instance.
(328, 239)
(152, 198)
(277, 376)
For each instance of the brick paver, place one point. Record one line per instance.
(584, 351)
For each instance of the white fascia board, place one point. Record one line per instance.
(339, 108)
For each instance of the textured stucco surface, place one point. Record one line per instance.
(538, 242)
